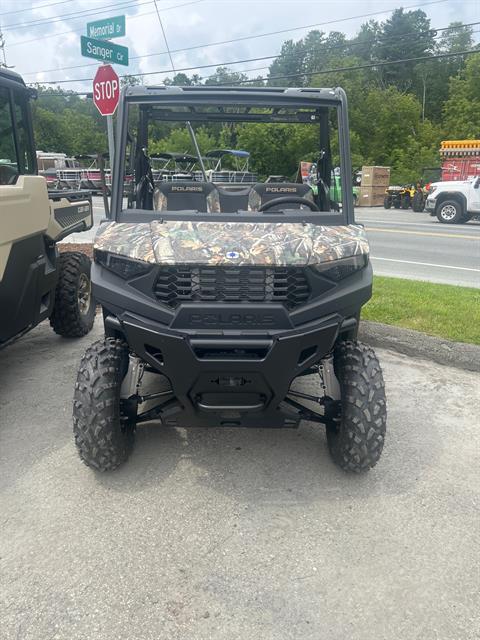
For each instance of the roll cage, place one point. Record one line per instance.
(230, 105)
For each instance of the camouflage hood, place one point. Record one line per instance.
(235, 243)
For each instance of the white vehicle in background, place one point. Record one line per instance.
(454, 202)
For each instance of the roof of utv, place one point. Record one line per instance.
(269, 96)
(7, 76)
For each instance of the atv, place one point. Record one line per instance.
(398, 197)
(217, 305)
(36, 281)
(419, 198)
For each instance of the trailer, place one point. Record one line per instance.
(460, 159)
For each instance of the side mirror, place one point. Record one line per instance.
(476, 184)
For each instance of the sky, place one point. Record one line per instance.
(42, 38)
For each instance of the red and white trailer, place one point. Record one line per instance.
(460, 159)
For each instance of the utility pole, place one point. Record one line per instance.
(2, 47)
(4, 55)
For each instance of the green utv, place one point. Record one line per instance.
(36, 281)
(225, 297)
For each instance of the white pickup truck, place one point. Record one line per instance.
(454, 202)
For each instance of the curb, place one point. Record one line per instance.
(419, 345)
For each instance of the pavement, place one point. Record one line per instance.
(413, 245)
(403, 244)
(237, 534)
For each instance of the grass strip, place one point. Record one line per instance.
(441, 310)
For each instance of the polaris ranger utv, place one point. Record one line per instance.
(230, 298)
(35, 281)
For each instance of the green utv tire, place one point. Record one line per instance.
(74, 307)
(356, 442)
(104, 435)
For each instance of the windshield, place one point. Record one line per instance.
(216, 158)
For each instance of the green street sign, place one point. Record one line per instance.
(103, 50)
(106, 29)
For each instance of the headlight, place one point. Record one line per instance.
(342, 268)
(124, 267)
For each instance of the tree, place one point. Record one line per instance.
(463, 105)
(182, 80)
(179, 141)
(289, 62)
(130, 81)
(223, 75)
(278, 148)
(50, 132)
(362, 46)
(406, 34)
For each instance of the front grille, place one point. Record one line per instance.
(287, 285)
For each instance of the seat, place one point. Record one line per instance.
(186, 195)
(233, 199)
(264, 192)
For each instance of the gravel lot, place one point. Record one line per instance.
(237, 534)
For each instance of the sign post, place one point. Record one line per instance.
(111, 141)
(106, 84)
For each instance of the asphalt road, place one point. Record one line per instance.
(403, 244)
(237, 534)
(415, 245)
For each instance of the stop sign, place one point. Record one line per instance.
(106, 90)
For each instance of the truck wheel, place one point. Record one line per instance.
(104, 433)
(74, 308)
(450, 212)
(356, 440)
(387, 203)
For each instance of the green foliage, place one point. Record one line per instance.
(179, 141)
(223, 75)
(437, 309)
(67, 123)
(406, 34)
(461, 110)
(278, 148)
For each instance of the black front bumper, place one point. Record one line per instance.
(230, 365)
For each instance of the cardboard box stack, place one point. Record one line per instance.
(374, 182)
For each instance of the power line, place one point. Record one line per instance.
(80, 14)
(80, 31)
(384, 63)
(294, 75)
(35, 7)
(261, 35)
(346, 44)
(246, 60)
(164, 35)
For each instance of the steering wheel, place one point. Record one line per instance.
(8, 175)
(288, 199)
